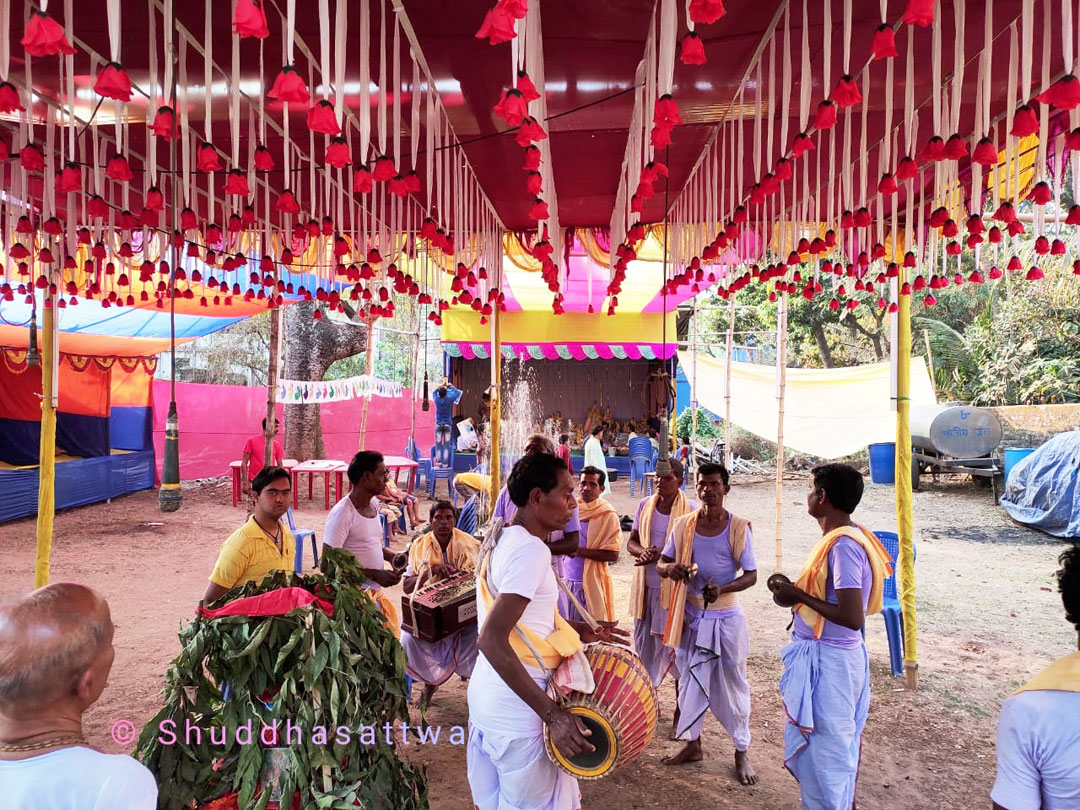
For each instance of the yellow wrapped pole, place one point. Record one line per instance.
(369, 370)
(47, 456)
(496, 398)
(904, 519)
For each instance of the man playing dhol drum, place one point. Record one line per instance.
(704, 554)
(517, 595)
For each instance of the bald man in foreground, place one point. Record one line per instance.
(56, 650)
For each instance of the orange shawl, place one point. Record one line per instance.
(679, 507)
(605, 534)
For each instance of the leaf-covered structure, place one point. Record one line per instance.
(331, 680)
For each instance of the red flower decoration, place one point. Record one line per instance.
(826, 115)
(986, 154)
(533, 183)
(374, 257)
(337, 153)
(412, 182)
(497, 27)
(666, 112)
(529, 131)
(384, 169)
(660, 137)
(884, 46)
(96, 207)
(363, 182)
(907, 169)
(1073, 217)
(538, 210)
(149, 217)
(44, 36)
(287, 204)
(706, 12)
(31, 158)
(956, 147)
(846, 93)
(188, 220)
(237, 184)
(1025, 122)
(288, 86)
(692, 50)
(938, 217)
(1014, 264)
(155, 200)
(1041, 194)
(1042, 246)
(527, 88)
(113, 82)
(118, 169)
(801, 145)
(396, 186)
(322, 118)
(70, 179)
(9, 98)
(1063, 94)
(919, 12)
(515, 8)
(207, 159)
(887, 185)
(264, 161)
(933, 151)
(1034, 274)
(164, 125)
(512, 107)
(249, 20)
(532, 159)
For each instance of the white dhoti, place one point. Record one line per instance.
(433, 662)
(712, 673)
(515, 773)
(649, 639)
(826, 696)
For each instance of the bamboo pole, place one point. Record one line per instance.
(272, 384)
(369, 367)
(693, 390)
(496, 397)
(47, 455)
(727, 382)
(781, 385)
(904, 517)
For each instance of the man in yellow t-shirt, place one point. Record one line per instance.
(263, 544)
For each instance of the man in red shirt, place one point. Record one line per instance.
(254, 456)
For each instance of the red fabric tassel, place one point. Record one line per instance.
(118, 169)
(1041, 194)
(70, 179)
(666, 112)
(862, 218)
(956, 147)
(993, 236)
(1042, 246)
(532, 159)
(97, 208)
(512, 107)
(155, 200)
(1034, 274)
(692, 50)
(985, 153)
(538, 210)
(1072, 139)
(290, 87)
(113, 82)
(249, 20)
(938, 217)
(1014, 264)
(950, 229)
(533, 183)
(801, 145)
(1064, 94)
(363, 182)
(322, 118)
(884, 46)
(907, 169)
(526, 87)
(264, 161)
(44, 36)
(846, 93)
(188, 220)
(887, 185)
(164, 125)
(919, 12)
(1073, 217)
(1025, 122)
(412, 182)
(497, 27)
(337, 153)
(933, 151)
(660, 137)
(782, 170)
(529, 131)
(1016, 228)
(706, 12)
(207, 159)
(9, 98)
(287, 204)
(237, 184)
(826, 115)
(384, 169)
(1005, 213)
(396, 186)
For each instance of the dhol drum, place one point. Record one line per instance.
(621, 713)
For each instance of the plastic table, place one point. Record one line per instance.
(238, 485)
(313, 467)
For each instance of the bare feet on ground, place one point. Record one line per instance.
(425, 698)
(691, 752)
(743, 769)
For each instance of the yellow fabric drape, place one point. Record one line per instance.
(1015, 178)
(1061, 676)
(605, 534)
(460, 553)
(813, 578)
(679, 507)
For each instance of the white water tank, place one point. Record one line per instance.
(958, 431)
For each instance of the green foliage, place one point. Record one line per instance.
(706, 431)
(329, 671)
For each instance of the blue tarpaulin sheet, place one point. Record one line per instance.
(1043, 490)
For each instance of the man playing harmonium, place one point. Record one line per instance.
(442, 553)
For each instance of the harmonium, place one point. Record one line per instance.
(440, 609)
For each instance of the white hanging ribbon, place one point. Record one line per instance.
(669, 25)
(959, 60)
(414, 127)
(935, 77)
(365, 81)
(324, 46)
(1027, 29)
(785, 85)
(290, 30)
(341, 31)
(806, 81)
(826, 59)
(397, 93)
(383, 79)
(847, 37)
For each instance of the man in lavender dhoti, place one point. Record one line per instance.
(587, 574)
(710, 558)
(441, 553)
(825, 687)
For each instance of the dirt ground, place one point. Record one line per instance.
(989, 617)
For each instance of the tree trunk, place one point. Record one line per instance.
(311, 346)
(822, 344)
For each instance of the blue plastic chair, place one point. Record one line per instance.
(423, 465)
(891, 610)
(301, 535)
(438, 473)
(641, 462)
(467, 519)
